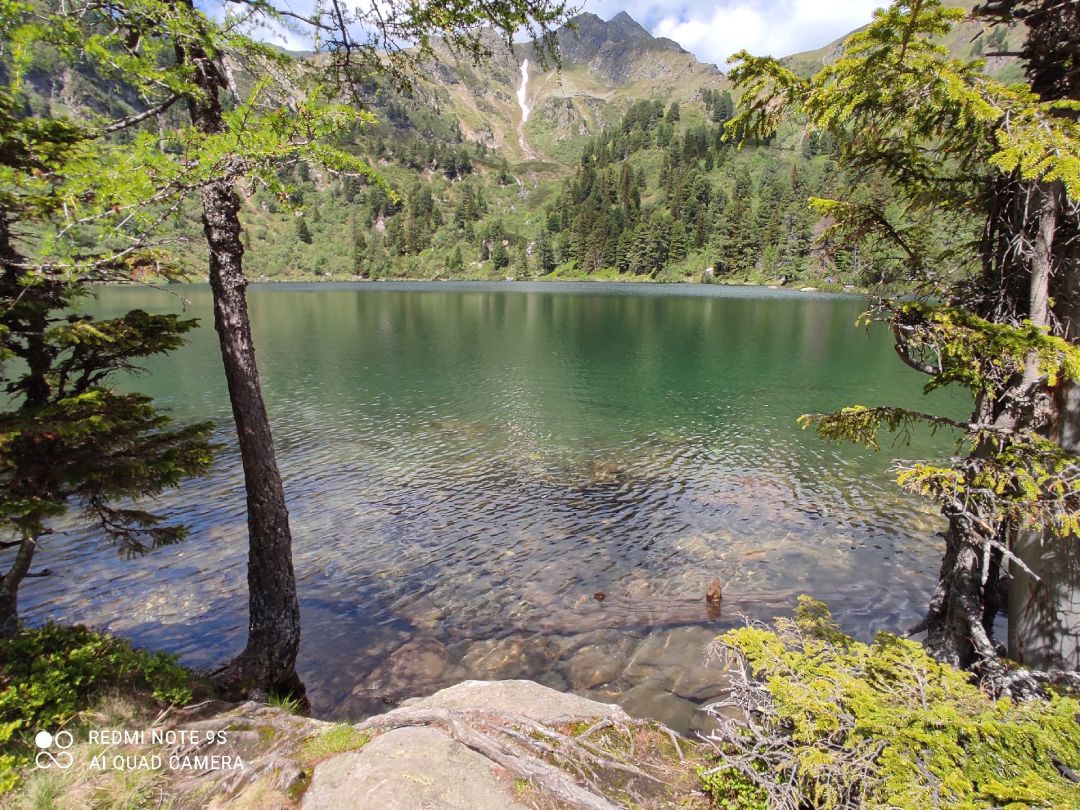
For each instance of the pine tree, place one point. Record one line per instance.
(359, 248)
(303, 233)
(723, 109)
(521, 264)
(736, 229)
(68, 441)
(378, 262)
(545, 252)
(499, 255)
(994, 167)
(456, 265)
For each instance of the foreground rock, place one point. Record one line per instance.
(477, 745)
(446, 754)
(525, 698)
(411, 767)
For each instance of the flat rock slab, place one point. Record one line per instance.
(526, 698)
(411, 769)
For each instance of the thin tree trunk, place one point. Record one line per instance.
(959, 623)
(33, 323)
(268, 661)
(9, 587)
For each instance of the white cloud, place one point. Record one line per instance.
(714, 30)
(711, 29)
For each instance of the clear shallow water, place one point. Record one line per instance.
(467, 465)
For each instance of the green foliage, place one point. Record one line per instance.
(883, 725)
(48, 675)
(72, 441)
(335, 740)
(1011, 474)
(728, 789)
(899, 106)
(303, 233)
(657, 196)
(1023, 478)
(66, 439)
(961, 348)
(287, 703)
(959, 150)
(82, 186)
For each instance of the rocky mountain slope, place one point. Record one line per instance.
(604, 67)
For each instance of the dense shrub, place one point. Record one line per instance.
(50, 674)
(835, 723)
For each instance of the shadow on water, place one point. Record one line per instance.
(468, 466)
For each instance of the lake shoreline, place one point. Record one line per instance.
(847, 291)
(347, 282)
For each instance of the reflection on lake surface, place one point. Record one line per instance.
(467, 465)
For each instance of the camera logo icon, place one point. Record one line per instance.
(53, 750)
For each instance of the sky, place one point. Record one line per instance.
(711, 29)
(714, 29)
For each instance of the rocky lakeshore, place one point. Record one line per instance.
(664, 676)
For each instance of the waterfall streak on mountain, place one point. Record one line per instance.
(521, 91)
(526, 151)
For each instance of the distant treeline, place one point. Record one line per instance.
(661, 194)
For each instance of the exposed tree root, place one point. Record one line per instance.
(993, 671)
(525, 748)
(239, 679)
(459, 725)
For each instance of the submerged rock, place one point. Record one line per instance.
(651, 699)
(419, 666)
(677, 659)
(595, 665)
(503, 658)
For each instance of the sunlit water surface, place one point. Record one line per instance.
(467, 465)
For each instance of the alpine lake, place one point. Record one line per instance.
(525, 480)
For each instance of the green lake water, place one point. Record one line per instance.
(467, 465)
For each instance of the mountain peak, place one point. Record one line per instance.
(586, 36)
(627, 27)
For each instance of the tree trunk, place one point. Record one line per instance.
(959, 624)
(268, 661)
(1044, 613)
(33, 322)
(1044, 610)
(9, 587)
